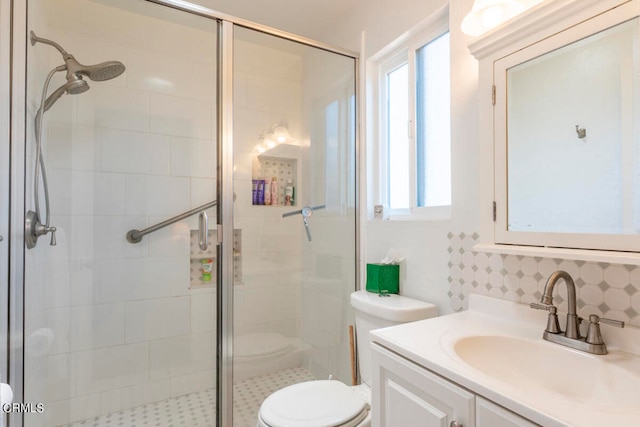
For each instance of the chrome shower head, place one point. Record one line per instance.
(71, 87)
(76, 86)
(98, 72)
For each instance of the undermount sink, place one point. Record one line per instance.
(609, 381)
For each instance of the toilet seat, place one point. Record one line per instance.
(322, 403)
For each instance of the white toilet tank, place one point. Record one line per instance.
(373, 312)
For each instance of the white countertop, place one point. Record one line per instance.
(429, 343)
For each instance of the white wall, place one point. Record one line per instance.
(441, 265)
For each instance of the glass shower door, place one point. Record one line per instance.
(113, 329)
(294, 216)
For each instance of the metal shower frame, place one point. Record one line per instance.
(14, 39)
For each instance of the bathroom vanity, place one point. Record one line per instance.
(490, 367)
(412, 395)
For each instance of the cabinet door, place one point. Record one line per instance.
(491, 415)
(407, 395)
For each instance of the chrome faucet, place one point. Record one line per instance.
(593, 342)
(572, 330)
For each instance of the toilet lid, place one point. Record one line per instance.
(311, 404)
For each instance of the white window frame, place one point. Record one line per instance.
(402, 51)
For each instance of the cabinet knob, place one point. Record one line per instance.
(455, 424)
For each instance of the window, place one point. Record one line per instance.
(398, 136)
(415, 131)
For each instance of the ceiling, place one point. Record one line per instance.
(309, 18)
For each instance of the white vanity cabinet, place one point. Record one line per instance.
(408, 395)
(489, 414)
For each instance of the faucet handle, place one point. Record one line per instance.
(553, 326)
(593, 333)
(540, 306)
(53, 230)
(612, 322)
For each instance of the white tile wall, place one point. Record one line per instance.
(150, 71)
(73, 147)
(166, 195)
(203, 191)
(102, 107)
(109, 368)
(124, 398)
(175, 116)
(181, 355)
(84, 407)
(154, 319)
(59, 382)
(190, 383)
(135, 152)
(96, 326)
(193, 158)
(203, 312)
(202, 85)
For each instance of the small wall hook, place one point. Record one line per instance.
(582, 132)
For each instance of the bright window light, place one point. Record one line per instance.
(433, 126)
(398, 137)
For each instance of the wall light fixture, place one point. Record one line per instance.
(278, 134)
(488, 14)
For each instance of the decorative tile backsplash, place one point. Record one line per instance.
(608, 290)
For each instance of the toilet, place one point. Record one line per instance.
(329, 403)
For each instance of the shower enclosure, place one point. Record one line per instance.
(204, 205)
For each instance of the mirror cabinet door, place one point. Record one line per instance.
(567, 138)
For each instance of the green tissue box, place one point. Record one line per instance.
(383, 278)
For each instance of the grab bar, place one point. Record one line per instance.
(135, 236)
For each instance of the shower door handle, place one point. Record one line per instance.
(203, 230)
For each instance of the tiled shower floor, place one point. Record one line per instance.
(197, 409)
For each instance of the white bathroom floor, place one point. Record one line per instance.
(197, 409)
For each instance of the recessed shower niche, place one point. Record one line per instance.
(203, 262)
(278, 167)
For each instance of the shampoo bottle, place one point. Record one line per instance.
(274, 191)
(289, 193)
(267, 193)
(260, 192)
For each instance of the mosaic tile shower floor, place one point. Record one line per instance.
(197, 409)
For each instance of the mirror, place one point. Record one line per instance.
(573, 146)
